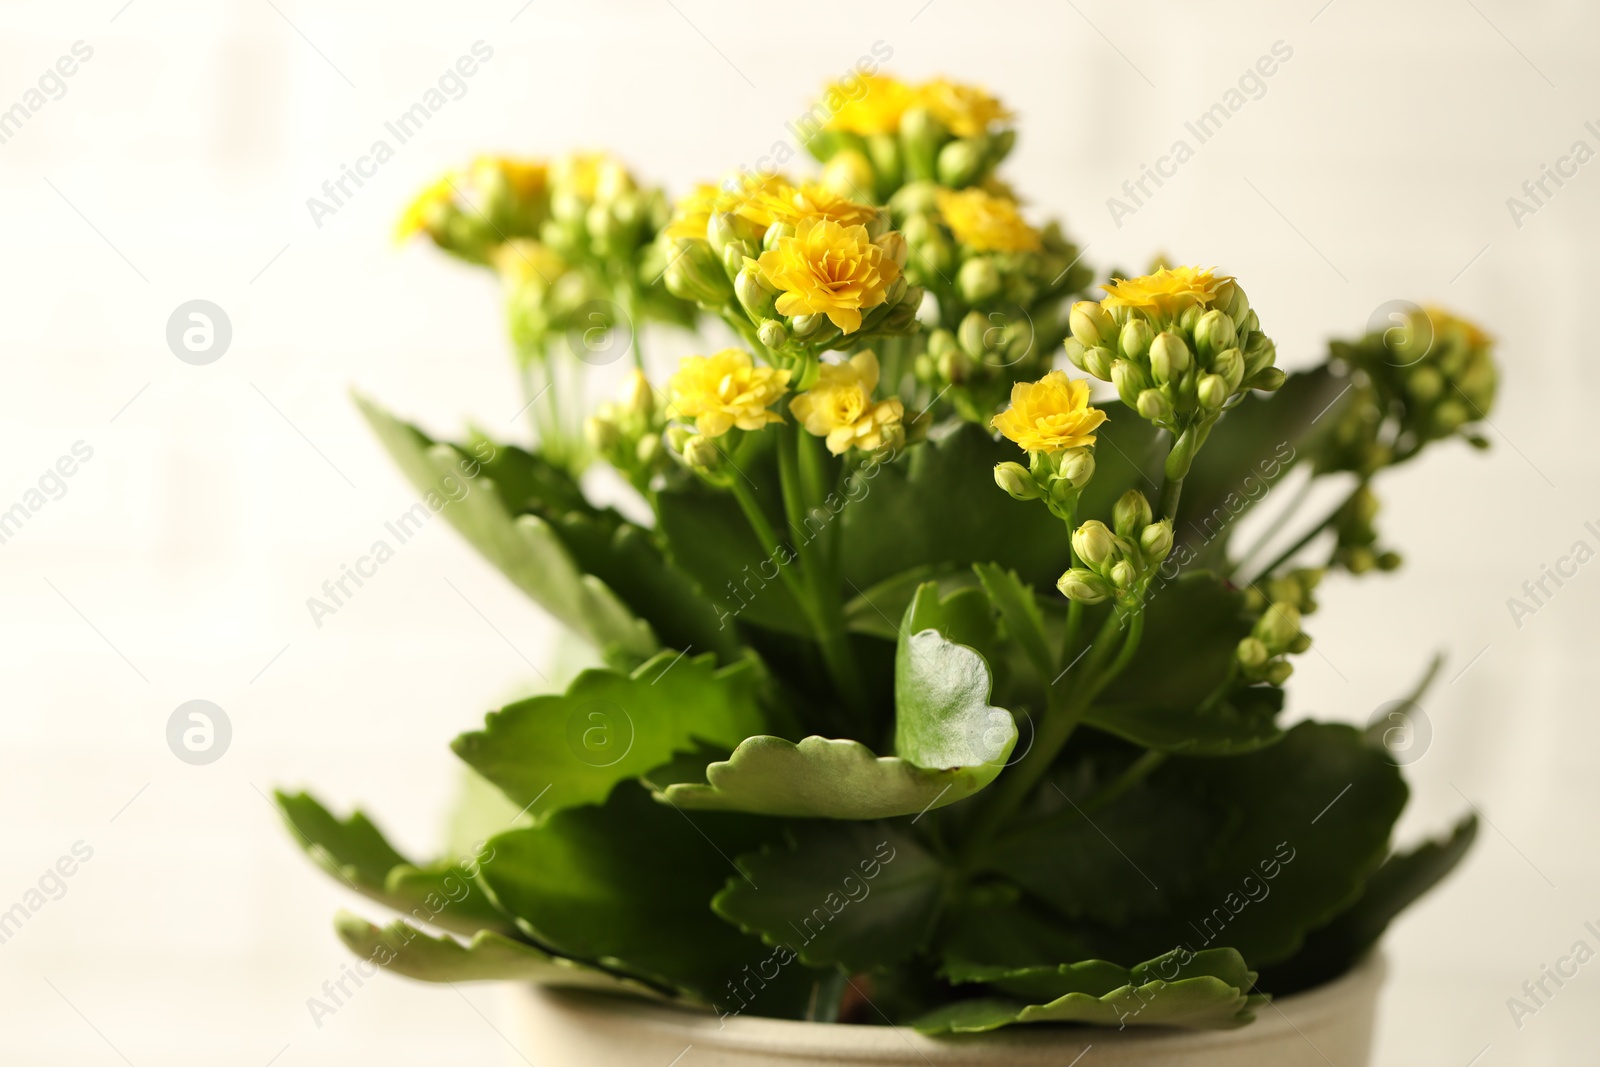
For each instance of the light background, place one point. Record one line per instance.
(177, 165)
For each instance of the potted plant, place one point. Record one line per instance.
(934, 690)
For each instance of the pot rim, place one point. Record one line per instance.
(1307, 1009)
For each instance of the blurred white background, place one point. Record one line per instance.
(176, 166)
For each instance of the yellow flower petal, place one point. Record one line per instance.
(829, 269)
(986, 222)
(725, 390)
(1050, 414)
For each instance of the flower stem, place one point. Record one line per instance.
(1305, 539)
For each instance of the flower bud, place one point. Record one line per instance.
(648, 449)
(1129, 380)
(1155, 540)
(973, 334)
(1259, 354)
(772, 334)
(1084, 586)
(921, 136)
(701, 453)
(1251, 652)
(1093, 543)
(1425, 383)
(806, 325)
(978, 280)
(1269, 380)
(1090, 324)
(1124, 574)
(1154, 406)
(1229, 364)
(1279, 625)
(959, 163)
(1232, 299)
(1076, 352)
(1077, 467)
(1389, 561)
(1098, 361)
(895, 247)
(1014, 478)
(1213, 392)
(753, 296)
(638, 398)
(693, 273)
(734, 254)
(1131, 513)
(1214, 333)
(846, 172)
(1169, 356)
(1302, 643)
(601, 433)
(677, 437)
(1134, 341)
(775, 233)
(720, 230)
(1279, 672)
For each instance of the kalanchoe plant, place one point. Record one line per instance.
(962, 710)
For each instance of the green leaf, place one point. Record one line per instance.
(1333, 949)
(950, 742)
(1019, 609)
(1315, 811)
(354, 851)
(861, 895)
(1126, 859)
(1163, 699)
(563, 751)
(628, 886)
(488, 957)
(524, 547)
(1100, 977)
(939, 505)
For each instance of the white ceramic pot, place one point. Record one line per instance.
(1328, 1025)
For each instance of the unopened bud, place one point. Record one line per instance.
(648, 449)
(1129, 380)
(1169, 356)
(1279, 625)
(978, 280)
(638, 398)
(1153, 405)
(895, 247)
(1269, 380)
(1131, 513)
(1090, 324)
(1098, 361)
(1213, 392)
(1213, 333)
(1229, 364)
(973, 334)
(1093, 543)
(1135, 338)
(1084, 586)
(701, 453)
(805, 325)
(601, 433)
(1251, 652)
(1014, 478)
(772, 334)
(1077, 467)
(1279, 672)
(1124, 574)
(720, 230)
(753, 296)
(693, 273)
(1076, 352)
(1155, 541)
(775, 233)
(959, 163)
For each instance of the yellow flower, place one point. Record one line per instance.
(829, 269)
(840, 408)
(965, 110)
(1050, 414)
(787, 203)
(527, 178)
(591, 176)
(1165, 293)
(414, 219)
(523, 261)
(986, 222)
(725, 390)
(750, 196)
(872, 104)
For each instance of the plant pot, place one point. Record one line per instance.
(1329, 1024)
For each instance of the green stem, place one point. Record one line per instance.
(1171, 490)
(1278, 523)
(1136, 772)
(1309, 536)
(769, 541)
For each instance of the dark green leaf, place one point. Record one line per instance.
(860, 895)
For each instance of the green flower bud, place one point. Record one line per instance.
(1231, 299)
(973, 334)
(601, 433)
(1076, 352)
(1229, 364)
(1213, 392)
(1279, 672)
(1093, 543)
(921, 137)
(1124, 574)
(648, 449)
(978, 280)
(1269, 380)
(1130, 514)
(720, 230)
(1259, 354)
(1300, 644)
(1154, 406)
(806, 325)
(772, 334)
(1014, 478)
(1169, 356)
(1425, 383)
(894, 246)
(959, 163)
(1099, 361)
(1084, 586)
(1129, 380)
(677, 437)
(1449, 416)
(753, 296)
(1134, 341)
(701, 453)
(1155, 540)
(734, 253)
(1077, 467)
(1251, 653)
(693, 273)
(884, 151)
(1389, 561)
(1090, 324)
(1213, 333)
(1278, 626)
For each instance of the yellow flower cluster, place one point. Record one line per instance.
(876, 103)
(726, 390)
(1166, 293)
(1050, 414)
(829, 269)
(986, 222)
(593, 176)
(839, 407)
